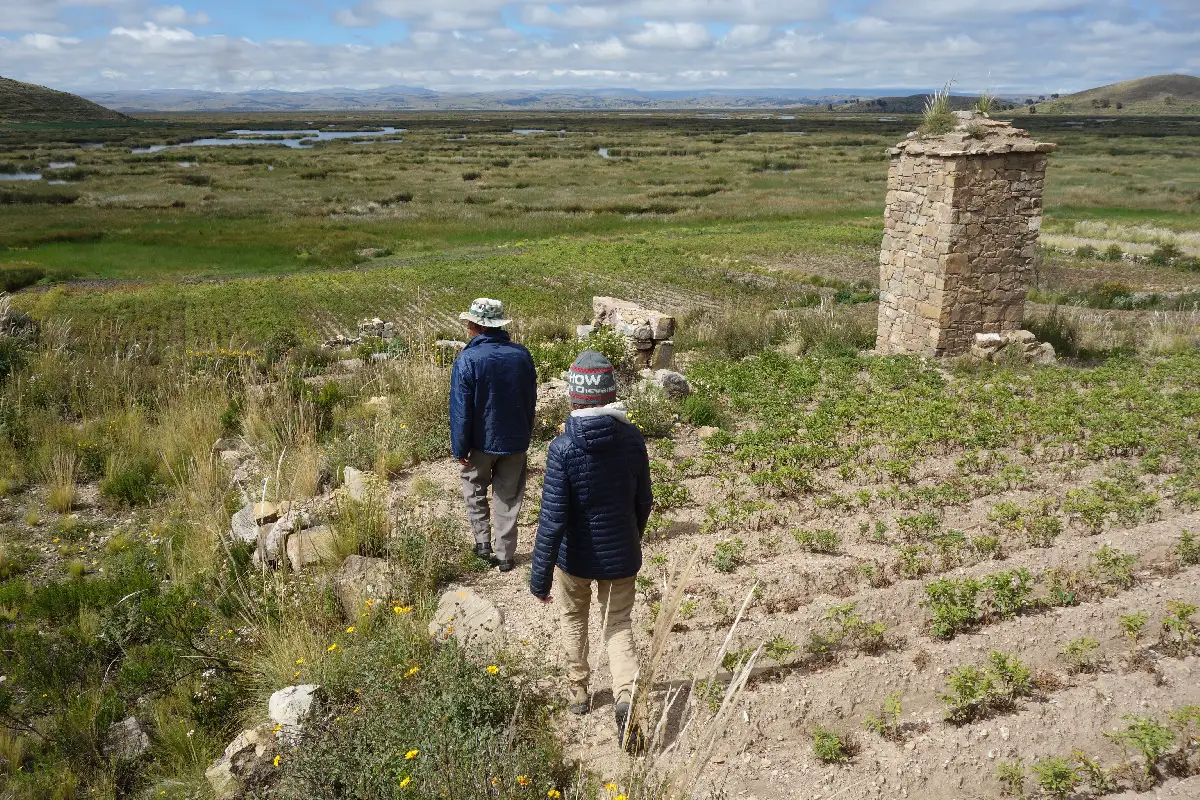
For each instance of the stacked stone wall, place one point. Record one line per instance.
(960, 235)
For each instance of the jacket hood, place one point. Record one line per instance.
(595, 429)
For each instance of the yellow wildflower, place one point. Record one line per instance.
(415, 669)
(495, 781)
(277, 760)
(411, 754)
(333, 648)
(300, 660)
(612, 787)
(350, 629)
(523, 780)
(278, 728)
(402, 609)
(492, 669)
(554, 794)
(404, 783)
(355, 711)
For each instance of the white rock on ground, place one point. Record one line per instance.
(242, 526)
(361, 579)
(126, 740)
(360, 486)
(290, 706)
(469, 618)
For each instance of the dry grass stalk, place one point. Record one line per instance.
(61, 473)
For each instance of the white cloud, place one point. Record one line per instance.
(178, 15)
(672, 36)
(747, 35)
(467, 45)
(596, 17)
(46, 42)
(152, 33)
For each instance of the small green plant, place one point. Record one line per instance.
(887, 722)
(912, 561)
(986, 102)
(1010, 592)
(1056, 776)
(1165, 254)
(779, 649)
(977, 692)
(952, 603)
(1114, 567)
(1080, 655)
(1011, 777)
(1113, 253)
(830, 746)
(1093, 773)
(1085, 251)
(1178, 629)
(1188, 549)
(818, 541)
(1149, 737)
(729, 555)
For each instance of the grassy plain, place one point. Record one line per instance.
(147, 237)
(942, 565)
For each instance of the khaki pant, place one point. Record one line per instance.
(506, 477)
(616, 604)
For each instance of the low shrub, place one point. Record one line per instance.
(130, 483)
(831, 746)
(1058, 328)
(16, 277)
(469, 729)
(1165, 254)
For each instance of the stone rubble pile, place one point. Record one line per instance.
(1024, 345)
(649, 332)
(960, 236)
(377, 328)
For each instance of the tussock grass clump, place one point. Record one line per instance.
(60, 478)
(937, 117)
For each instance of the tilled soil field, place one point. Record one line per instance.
(818, 596)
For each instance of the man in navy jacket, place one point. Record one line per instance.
(596, 501)
(493, 392)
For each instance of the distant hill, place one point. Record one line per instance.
(913, 104)
(1158, 94)
(409, 98)
(28, 102)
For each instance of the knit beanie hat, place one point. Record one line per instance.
(591, 380)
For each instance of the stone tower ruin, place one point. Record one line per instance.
(960, 234)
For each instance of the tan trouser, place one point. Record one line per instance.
(616, 604)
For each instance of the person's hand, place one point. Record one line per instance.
(465, 462)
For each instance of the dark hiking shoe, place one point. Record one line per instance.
(577, 700)
(507, 565)
(630, 741)
(483, 551)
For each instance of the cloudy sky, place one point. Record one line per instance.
(232, 45)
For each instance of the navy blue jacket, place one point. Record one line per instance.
(493, 392)
(595, 503)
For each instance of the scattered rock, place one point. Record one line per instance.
(126, 740)
(311, 547)
(245, 761)
(584, 331)
(243, 527)
(360, 486)
(469, 618)
(361, 579)
(647, 330)
(673, 384)
(707, 431)
(371, 252)
(268, 512)
(290, 706)
(1013, 344)
(376, 327)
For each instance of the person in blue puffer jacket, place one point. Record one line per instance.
(596, 500)
(493, 393)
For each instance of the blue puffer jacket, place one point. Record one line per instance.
(595, 503)
(493, 392)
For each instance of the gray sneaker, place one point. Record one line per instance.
(578, 700)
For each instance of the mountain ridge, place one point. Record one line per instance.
(29, 102)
